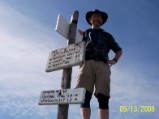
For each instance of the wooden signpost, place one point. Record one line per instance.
(64, 58)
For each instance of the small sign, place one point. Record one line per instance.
(68, 56)
(63, 96)
(62, 26)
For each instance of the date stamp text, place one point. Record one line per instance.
(143, 108)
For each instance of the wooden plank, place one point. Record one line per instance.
(63, 96)
(66, 77)
(66, 57)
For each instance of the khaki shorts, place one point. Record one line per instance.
(94, 74)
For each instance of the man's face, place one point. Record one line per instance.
(96, 20)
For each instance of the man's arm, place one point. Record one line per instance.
(115, 59)
(80, 31)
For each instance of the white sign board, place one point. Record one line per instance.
(68, 56)
(63, 96)
(62, 27)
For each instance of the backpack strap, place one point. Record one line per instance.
(87, 37)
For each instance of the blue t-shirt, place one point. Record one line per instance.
(98, 44)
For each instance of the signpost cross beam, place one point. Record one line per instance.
(66, 78)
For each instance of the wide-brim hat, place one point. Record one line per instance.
(90, 13)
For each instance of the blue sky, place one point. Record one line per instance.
(27, 36)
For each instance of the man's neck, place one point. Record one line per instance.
(95, 27)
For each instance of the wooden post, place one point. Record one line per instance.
(66, 78)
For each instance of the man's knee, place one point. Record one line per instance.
(88, 96)
(103, 101)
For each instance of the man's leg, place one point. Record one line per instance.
(103, 105)
(86, 113)
(85, 107)
(103, 113)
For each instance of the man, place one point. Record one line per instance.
(95, 71)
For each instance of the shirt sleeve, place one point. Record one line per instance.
(113, 44)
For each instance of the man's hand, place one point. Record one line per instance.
(80, 31)
(116, 58)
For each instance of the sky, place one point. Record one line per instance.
(27, 36)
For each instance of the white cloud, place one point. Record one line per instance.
(25, 45)
(24, 48)
(132, 88)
